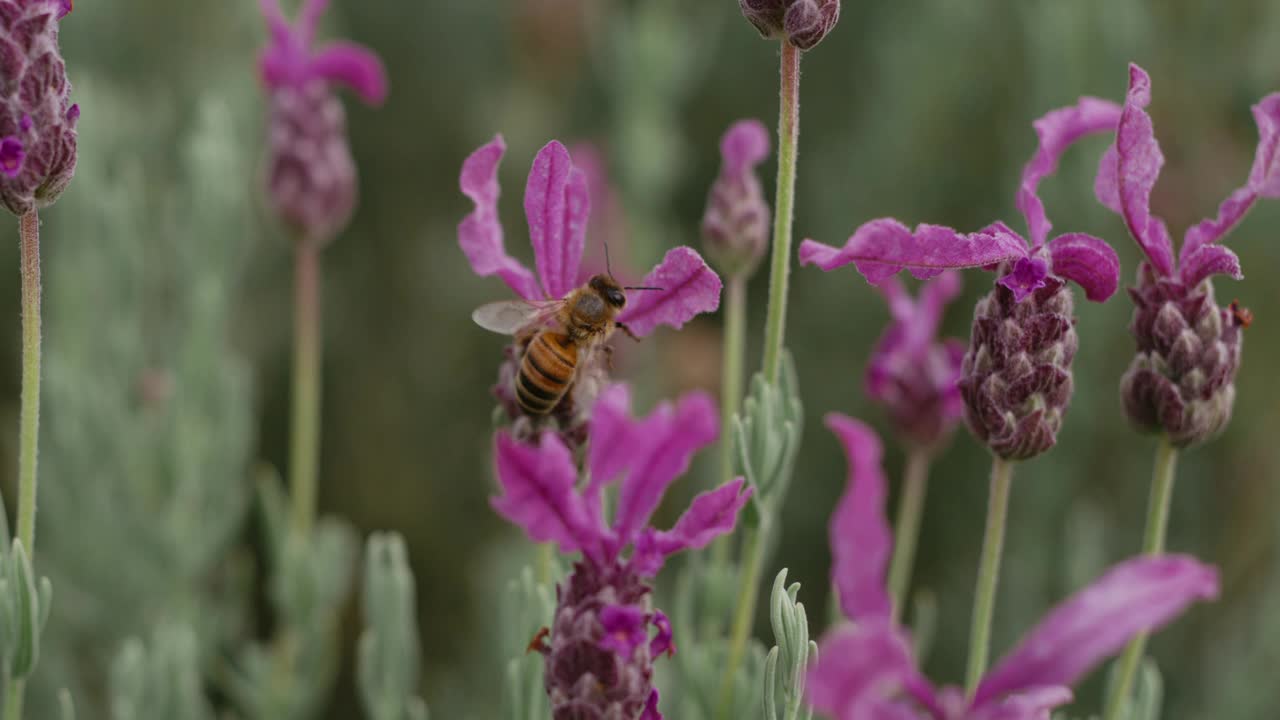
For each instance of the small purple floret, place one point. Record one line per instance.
(804, 23)
(866, 668)
(11, 156)
(735, 225)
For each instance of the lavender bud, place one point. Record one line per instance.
(311, 177)
(804, 23)
(587, 677)
(37, 119)
(1182, 380)
(735, 225)
(1016, 377)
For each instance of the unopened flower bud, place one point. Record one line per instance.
(735, 226)
(1182, 380)
(37, 119)
(802, 22)
(1016, 378)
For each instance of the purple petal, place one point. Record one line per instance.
(859, 534)
(625, 628)
(538, 492)
(881, 248)
(1030, 704)
(480, 233)
(12, 155)
(668, 440)
(1027, 276)
(354, 66)
(1264, 181)
(611, 449)
(689, 288)
(1210, 260)
(276, 23)
(1136, 596)
(1057, 130)
(935, 295)
(1137, 166)
(860, 669)
(712, 514)
(1106, 186)
(557, 206)
(651, 707)
(744, 145)
(1088, 261)
(309, 19)
(64, 8)
(662, 642)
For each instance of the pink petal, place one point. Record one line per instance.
(480, 233)
(1138, 163)
(1030, 704)
(611, 449)
(1027, 275)
(1210, 260)
(744, 145)
(859, 534)
(689, 288)
(355, 66)
(712, 514)
(881, 248)
(309, 19)
(1264, 181)
(662, 642)
(861, 668)
(276, 24)
(667, 442)
(935, 295)
(1106, 186)
(557, 206)
(626, 628)
(1088, 261)
(538, 491)
(1137, 596)
(607, 225)
(651, 707)
(1057, 130)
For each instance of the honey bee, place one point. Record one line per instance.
(558, 336)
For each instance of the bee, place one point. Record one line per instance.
(558, 336)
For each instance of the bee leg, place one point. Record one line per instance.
(608, 357)
(623, 327)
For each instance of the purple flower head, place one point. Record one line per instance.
(913, 374)
(557, 206)
(866, 669)
(804, 23)
(311, 176)
(1016, 377)
(1182, 380)
(736, 223)
(599, 656)
(37, 119)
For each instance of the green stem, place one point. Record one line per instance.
(304, 446)
(29, 424)
(754, 541)
(13, 698)
(1152, 544)
(984, 597)
(910, 508)
(783, 210)
(735, 348)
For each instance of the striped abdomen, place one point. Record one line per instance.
(546, 372)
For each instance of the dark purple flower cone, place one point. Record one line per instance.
(311, 177)
(584, 679)
(1016, 378)
(37, 119)
(803, 22)
(1182, 381)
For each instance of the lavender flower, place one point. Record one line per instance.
(912, 374)
(1016, 378)
(736, 223)
(804, 23)
(311, 177)
(557, 206)
(37, 119)
(599, 656)
(866, 669)
(1181, 382)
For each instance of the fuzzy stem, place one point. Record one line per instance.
(1152, 544)
(783, 209)
(735, 348)
(29, 415)
(907, 531)
(754, 541)
(984, 597)
(304, 446)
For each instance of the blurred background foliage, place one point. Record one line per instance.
(168, 311)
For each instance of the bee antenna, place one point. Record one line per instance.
(642, 287)
(607, 266)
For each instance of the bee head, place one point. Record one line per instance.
(608, 289)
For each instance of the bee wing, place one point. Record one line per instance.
(509, 317)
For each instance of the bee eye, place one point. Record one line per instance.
(615, 297)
